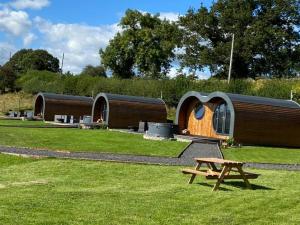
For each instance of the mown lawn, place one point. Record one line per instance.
(66, 139)
(74, 192)
(263, 154)
(22, 123)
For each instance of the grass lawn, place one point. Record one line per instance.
(22, 123)
(87, 141)
(263, 154)
(74, 192)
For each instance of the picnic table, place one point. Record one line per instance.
(228, 170)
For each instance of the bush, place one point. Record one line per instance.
(171, 90)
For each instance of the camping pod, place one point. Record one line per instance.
(247, 119)
(48, 105)
(123, 111)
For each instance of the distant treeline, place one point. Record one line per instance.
(171, 90)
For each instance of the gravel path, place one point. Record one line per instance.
(169, 161)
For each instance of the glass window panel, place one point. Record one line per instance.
(227, 121)
(221, 119)
(199, 111)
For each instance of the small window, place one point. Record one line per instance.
(199, 111)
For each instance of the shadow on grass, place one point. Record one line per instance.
(238, 184)
(241, 184)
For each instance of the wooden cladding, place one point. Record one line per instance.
(48, 105)
(201, 127)
(124, 111)
(254, 120)
(266, 125)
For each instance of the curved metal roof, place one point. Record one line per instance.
(130, 98)
(264, 101)
(54, 96)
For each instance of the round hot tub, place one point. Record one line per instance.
(160, 131)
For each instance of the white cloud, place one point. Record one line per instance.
(5, 50)
(80, 43)
(14, 22)
(30, 4)
(171, 16)
(28, 39)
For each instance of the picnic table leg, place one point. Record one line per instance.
(212, 166)
(194, 175)
(239, 168)
(221, 177)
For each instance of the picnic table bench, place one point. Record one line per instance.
(229, 170)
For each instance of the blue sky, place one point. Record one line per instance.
(77, 28)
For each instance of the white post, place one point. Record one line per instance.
(231, 56)
(292, 94)
(62, 63)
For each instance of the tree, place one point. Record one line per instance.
(28, 59)
(145, 47)
(94, 71)
(7, 78)
(266, 37)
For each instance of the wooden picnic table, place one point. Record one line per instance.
(229, 170)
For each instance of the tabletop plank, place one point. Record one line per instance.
(219, 161)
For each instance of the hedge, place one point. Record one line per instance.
(171, 90)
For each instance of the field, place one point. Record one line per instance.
(15, 102)
(66, 139)
(51, 191)
(263, 154)
(22, 123)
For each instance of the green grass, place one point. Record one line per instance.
(22, 123)
(263, 154)
(65, 139)
(89, 193)
(87, 141)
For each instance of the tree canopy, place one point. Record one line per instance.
(28, 59)
(144, 47)
(7, 78)
(266, 38)
(94, 71)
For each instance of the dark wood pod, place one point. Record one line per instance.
(47, 105)
(122, 111)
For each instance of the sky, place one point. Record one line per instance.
(76, 28)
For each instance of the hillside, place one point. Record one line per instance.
(15, 101)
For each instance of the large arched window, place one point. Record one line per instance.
(221, 119)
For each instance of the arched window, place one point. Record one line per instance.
(199, 111)
(221, 119)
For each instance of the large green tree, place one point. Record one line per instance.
(266, 37)
(144, 47)
(28, 59)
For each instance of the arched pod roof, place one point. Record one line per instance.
(53, 96)
(129, 110)
(128, 98)
(50, 104)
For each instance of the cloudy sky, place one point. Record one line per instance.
(76, 28)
